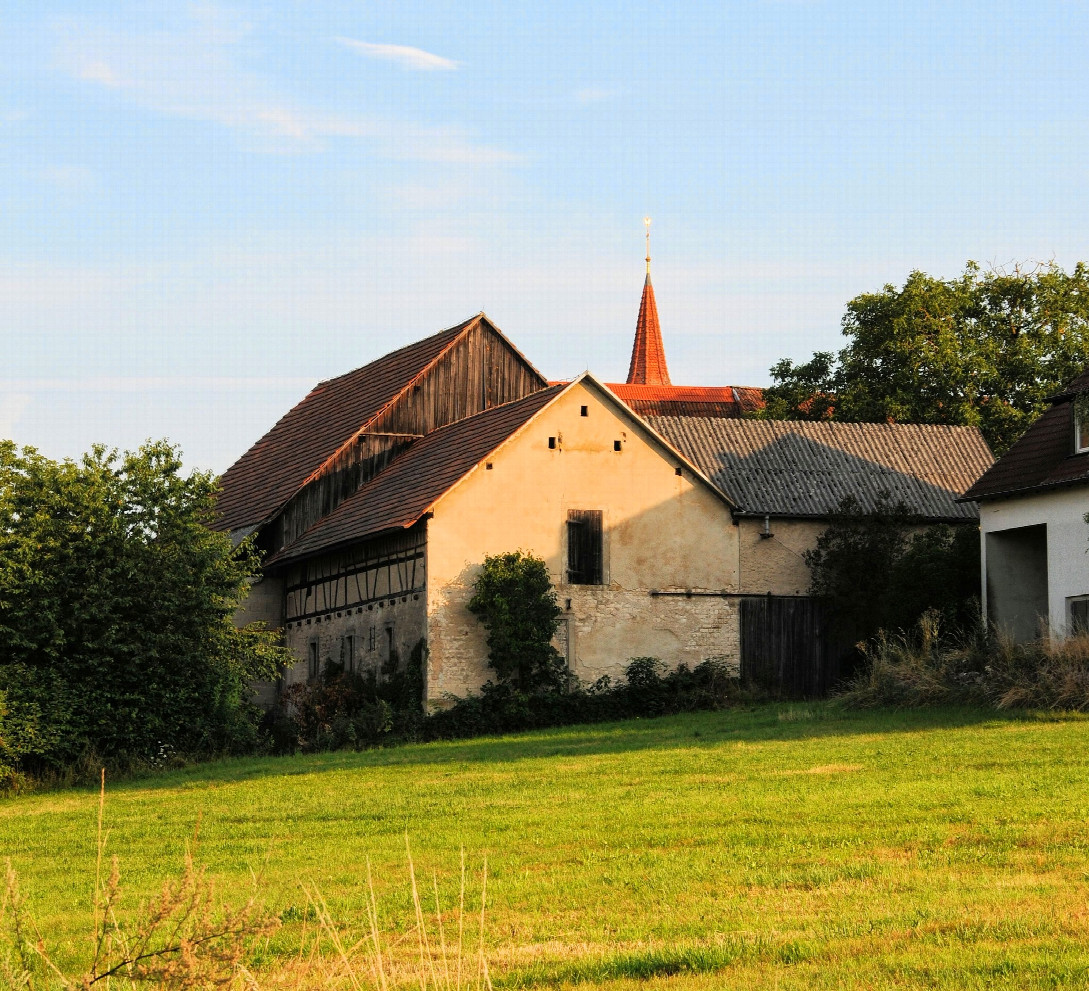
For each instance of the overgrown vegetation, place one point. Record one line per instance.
(116, 597)
(513, 597)
(928, 667)
(344, 710)
(984, 349)
(879, 570)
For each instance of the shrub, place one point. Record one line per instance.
(515, 600)
(872, 572)
(924, 667)
(116, 605)
(647, 690)
(349, 709)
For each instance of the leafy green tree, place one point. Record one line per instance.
(515, 600)
(986, 349)
(116, 599)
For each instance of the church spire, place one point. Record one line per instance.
(648, 363)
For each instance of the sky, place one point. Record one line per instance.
(207, 208)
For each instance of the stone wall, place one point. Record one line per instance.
(369, 625)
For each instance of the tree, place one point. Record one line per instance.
(986, 349)
(116, 600)
(515, 600)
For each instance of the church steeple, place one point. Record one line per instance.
(648, 363)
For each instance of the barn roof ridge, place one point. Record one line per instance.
(310, 436)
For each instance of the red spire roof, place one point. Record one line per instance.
(648, 363)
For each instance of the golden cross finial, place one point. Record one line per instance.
(646, 222)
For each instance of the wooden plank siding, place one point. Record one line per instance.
(786, 647)
(352, 468)
(477, 372)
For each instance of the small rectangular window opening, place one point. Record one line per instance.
(616, 445)
(312, 667)
(1081, 433)
(584, 546)
(1078, 608)
(488, 466)
(347, 653)
(584, 411)
(552, 443)
(372, 639)
(679, 470)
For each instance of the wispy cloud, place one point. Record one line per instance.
(596, 94)
(69, 178)
(197, 74)
(405, 56)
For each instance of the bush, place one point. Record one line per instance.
(645, 691)
(872, 572)
(348, 709)
(116, 605)
(515, 600)
(924, 667)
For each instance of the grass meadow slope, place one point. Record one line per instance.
(785, 846)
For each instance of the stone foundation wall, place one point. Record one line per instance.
(406, 615)
(600, 633)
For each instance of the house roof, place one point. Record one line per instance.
(305, 438)
(1043, 457)
(408, 488)
(804, 469)
(405, 491)
(689, 400)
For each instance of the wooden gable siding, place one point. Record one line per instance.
(478, 371)
(346, 474)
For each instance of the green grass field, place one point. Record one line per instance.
(786, 846)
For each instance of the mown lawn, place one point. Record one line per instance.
(789, 846)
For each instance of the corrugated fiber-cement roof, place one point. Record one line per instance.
(804, 469)
(271, 471)
(412, 483)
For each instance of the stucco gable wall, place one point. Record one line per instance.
(775, 564)
(1062, 511)
(662, 531)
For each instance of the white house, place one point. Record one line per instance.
(1032, 506)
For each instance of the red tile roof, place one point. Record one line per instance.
(648, 363)
(1043, 458)
(414, 481)
(728, 402)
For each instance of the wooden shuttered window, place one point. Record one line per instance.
(584, 547)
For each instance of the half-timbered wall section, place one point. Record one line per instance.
(356, 606)
(357, 577)
(354, 466)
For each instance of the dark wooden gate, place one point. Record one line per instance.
(786, 648)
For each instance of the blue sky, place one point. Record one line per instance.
(206, 208)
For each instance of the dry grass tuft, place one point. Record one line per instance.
(185, 939)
